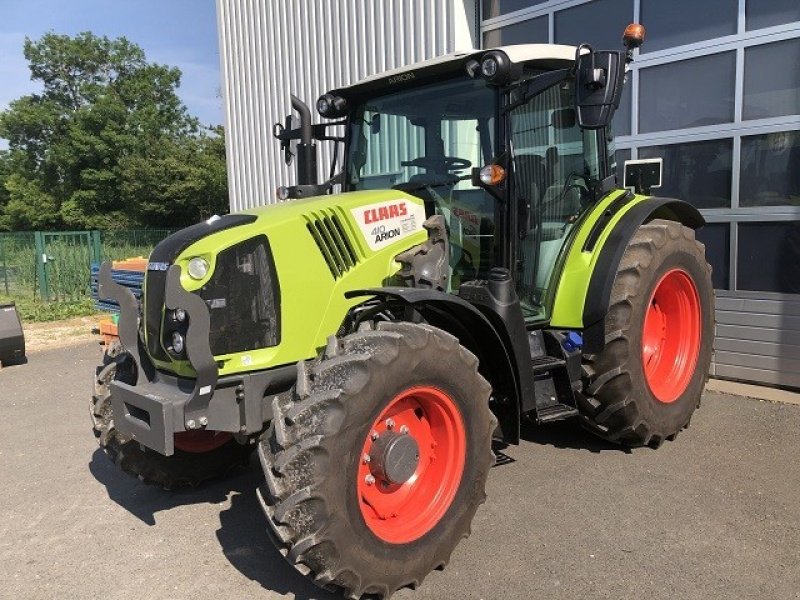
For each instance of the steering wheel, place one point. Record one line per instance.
(451, 163)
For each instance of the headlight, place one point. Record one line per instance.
(198, 268)
(324, 104)
(331, 107)
(489, 67)
(177, 343)
(179, 315)
(498, 69)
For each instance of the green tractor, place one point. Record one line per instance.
(480, 268)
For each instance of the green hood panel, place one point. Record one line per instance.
(322, 247)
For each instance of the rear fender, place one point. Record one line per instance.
(476, 333)
(602, 279)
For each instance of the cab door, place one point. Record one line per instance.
(556, 165)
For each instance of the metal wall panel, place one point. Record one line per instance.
(758, 339)
(269, 48)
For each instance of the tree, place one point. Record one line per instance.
(106, 144)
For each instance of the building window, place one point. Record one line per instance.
(495, 8)
(716, 237)
(599, 23)
(689, 93)
(772, 80)
(535, 31)
(770, 171)
(698, 172)
(767, 13)
(677, 22)
(769, 257)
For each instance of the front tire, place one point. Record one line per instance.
(377, 461)
(644, 385)
(199, 456)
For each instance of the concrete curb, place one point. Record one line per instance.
(753, 391)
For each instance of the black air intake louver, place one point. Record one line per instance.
(328, 231)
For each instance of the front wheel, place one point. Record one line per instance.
(646, 382)
(376, 463)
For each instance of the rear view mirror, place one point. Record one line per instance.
(292, 123)
(600, 77)
(643, 175)
(563, 119)
(284, 133)
(375, 124)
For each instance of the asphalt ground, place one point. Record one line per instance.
(715, 514)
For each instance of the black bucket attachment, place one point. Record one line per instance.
(12, 339)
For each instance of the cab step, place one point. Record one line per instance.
(545, 363)
(554, 412)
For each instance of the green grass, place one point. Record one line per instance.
(34, 311)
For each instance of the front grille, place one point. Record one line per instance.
(333, 242)
(243, 298)
(155, 281)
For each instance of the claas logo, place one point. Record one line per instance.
(376, 215)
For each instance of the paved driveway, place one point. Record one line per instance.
(715, 514)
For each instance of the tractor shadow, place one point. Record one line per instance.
(242, 532)
(567, 434)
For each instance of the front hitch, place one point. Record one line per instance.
(159, 404)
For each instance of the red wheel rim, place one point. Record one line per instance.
(399, 513)
(201, 441)
(671, 336)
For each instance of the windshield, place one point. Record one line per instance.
(425, 141)
(556, 164)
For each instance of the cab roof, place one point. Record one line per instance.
(545, 56)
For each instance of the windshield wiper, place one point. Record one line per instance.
(539, 84)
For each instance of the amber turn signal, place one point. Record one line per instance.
(492, 174)
(633, 37)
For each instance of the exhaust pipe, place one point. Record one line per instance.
(306, 148)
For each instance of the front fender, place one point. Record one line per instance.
(586, 291)
(476, 333)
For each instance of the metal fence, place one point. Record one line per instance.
(56, 266)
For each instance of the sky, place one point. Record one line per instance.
(180, 33)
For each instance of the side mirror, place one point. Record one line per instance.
(600, 77)
(285, 134)
(375, 124)
(643, 175)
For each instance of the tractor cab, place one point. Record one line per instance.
(509, 145)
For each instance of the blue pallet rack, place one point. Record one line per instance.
(130, 279)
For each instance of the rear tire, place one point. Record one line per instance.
(210, 458)
(318, 498)
(644, 385)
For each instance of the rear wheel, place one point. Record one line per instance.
(646, 382)
(199, 455)
(376, 463)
